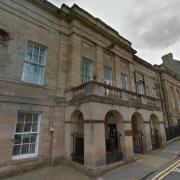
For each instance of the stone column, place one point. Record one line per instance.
(131, 78)
(162, 134)
(74, 65)
(94, 143)
(68, 140)
(99, 64)
(117, 72)
(128, 143)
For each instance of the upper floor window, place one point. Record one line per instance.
(86, 70)
(124, 81)
(34, 63)
(26, 135)
(153, 92)
(139, 80)
(108, 76)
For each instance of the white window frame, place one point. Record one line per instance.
(41, 66)
(140, 84)
(84, 76)
(124, 81)
(108, 79)
(30, 155)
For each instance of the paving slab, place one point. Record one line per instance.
(139, 169)
(131, 171)
(61, 172)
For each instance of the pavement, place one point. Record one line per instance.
(145, 167)
(60, 172)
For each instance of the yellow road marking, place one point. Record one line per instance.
(165, 172)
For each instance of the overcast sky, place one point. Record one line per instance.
(153, 26)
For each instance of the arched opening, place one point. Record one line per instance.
(4, 57)
(4, 37)
(114, 135)
(138, 131)
(155, 133)
(77, 129)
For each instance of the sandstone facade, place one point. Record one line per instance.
(75, 117)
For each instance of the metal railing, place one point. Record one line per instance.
(113, 148)
(78, 147)
(172, 132)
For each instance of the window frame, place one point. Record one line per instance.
(82, 70)
(141, 83)
(41, 66)
(30, 155)
(126, 80)
(107, 81)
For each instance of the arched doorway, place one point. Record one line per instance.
(138, 130)
(154, 128)
(114, 136)
(77, 129)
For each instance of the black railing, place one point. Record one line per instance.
(78, 147)
(137, 141)
(113, 148)
(155, 139)
(172, 132)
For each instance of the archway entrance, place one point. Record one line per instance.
(78, 137)
(113, 135)
(154, 128)
(137, 133)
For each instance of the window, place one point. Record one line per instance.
(34, 64)
(139, 79)
(86, 70)
(108, 75)
(26, 135)
(124, 81)
(4, 37)
(153, 92)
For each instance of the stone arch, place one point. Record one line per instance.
(4, 37)
(155, 121)
(138, 133)
(114, 134)
(77, 121)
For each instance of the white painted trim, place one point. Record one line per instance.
(26, 156)
(33, 155)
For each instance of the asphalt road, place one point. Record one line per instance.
(170, 173)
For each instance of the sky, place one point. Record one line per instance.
(153, 26)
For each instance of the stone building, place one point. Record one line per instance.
(170, 78)
(72, 87)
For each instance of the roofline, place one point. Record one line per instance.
(102, 22)
(69, 12)
(164, 69)
(145, 63)
(74, 12)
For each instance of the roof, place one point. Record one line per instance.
(76, 12)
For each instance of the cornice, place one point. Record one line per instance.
(167, 71)
(145, 63)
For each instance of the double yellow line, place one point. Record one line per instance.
(165, 172)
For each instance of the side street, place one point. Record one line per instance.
(142, 168)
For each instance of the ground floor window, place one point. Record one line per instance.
(26, 135)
